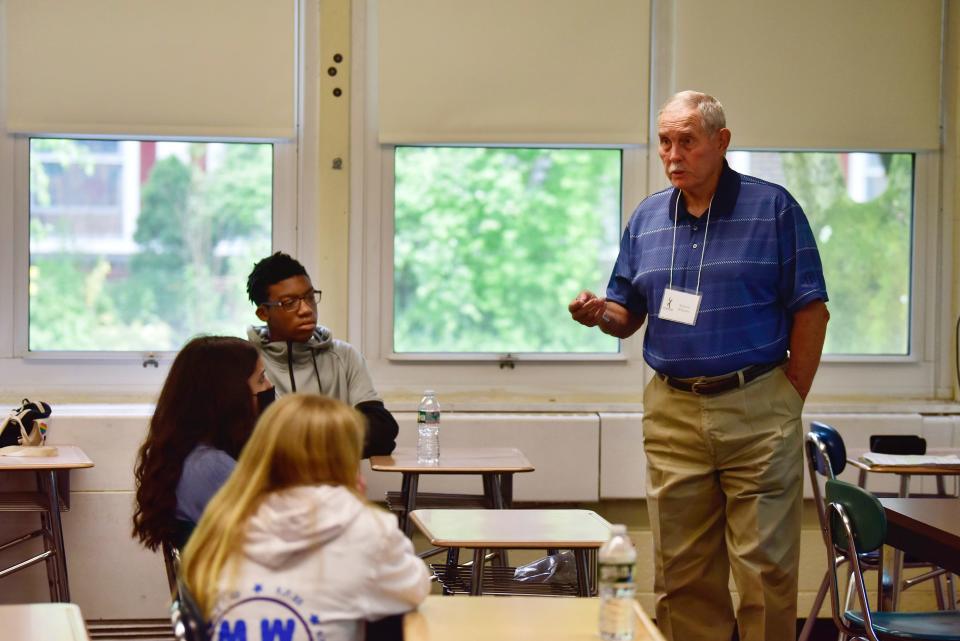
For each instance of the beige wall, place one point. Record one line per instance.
(951, 157)
(331, 232)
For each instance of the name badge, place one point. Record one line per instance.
(680, 307)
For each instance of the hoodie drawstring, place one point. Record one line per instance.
(315, 370)
(293, 383)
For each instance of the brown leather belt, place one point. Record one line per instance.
(708, 386)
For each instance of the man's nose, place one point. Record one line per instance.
(304, 308)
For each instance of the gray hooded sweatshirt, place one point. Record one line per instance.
(321, 365)
(324, 365)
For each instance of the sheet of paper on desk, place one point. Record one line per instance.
(873, 458)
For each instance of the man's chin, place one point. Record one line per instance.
(303, 334)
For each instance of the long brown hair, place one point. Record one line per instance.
(302, 439)
(205, 399)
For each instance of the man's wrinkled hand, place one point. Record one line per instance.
(587, 309)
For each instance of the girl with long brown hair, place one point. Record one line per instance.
(204, 415)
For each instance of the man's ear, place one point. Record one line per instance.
(262, 313)
(724, 139)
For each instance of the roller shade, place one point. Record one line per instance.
(513, 71)
(818, 74)
(217, 68)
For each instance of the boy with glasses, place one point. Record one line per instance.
(302, 356)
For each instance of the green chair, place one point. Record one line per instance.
(857, 525)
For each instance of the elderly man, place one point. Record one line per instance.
(725, 270)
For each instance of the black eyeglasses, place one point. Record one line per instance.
(293, 303)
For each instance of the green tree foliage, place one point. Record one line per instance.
(188, 218)
(865, 248)
(201, 226)
(490, 246)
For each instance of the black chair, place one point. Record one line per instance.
(857, 525)
(188, 622)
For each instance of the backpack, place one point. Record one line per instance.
(22, 426)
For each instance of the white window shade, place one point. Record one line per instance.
(502, 71)
(818, 74)
(208, 68)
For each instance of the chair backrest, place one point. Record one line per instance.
(857, 524)
(832, 444)
(188, 622)
(898, 444)
(826, 457)
(865, 512)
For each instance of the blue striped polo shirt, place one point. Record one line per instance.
(759, 267)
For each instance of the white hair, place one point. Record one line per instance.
(711, 111)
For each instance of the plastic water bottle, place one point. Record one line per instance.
(428, 429)
(615, 565)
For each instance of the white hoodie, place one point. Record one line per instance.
(316, 562)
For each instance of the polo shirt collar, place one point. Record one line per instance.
(724, 200)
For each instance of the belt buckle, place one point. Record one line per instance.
(700, 382)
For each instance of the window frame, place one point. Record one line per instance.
(924, 372)
(916, 287)
(283, 236)
(136, 375)
(388, 244)
(371, 314)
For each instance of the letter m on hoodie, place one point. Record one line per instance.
(276, 629)
(239, 632)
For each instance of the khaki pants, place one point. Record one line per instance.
(724, 491)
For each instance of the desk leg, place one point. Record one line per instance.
(53, 584)
(476, 572)
(404, 494)
(451, 568)
(506, 489)
(493, 491)
(410, 482)
(941, 486)
(46, 531)
(583, 587)
(897, 571)
(57, 531)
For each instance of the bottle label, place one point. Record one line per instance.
(615, 572)
(428, 417)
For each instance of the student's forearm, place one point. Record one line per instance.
(382, 429)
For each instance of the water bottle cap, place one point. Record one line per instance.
(618, 528)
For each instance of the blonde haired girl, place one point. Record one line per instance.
(289, 542)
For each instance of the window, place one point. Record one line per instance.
(860, 206)
(491, 244)
(142, 244)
